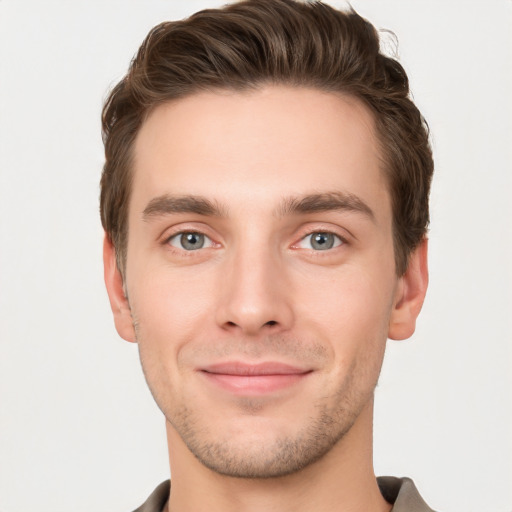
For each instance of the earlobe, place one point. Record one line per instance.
(118, 302)
(410, 295)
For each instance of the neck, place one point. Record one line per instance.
(343, 480)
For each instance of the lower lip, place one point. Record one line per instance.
(254, 384)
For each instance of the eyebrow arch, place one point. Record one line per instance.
(324, 202)
(168, 204)
(312, 203)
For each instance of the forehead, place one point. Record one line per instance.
(254, 147)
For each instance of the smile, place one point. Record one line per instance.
(250, 380)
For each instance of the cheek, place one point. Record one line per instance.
(169, 307)
(351, 313)
(347, 296)
(169, 310)
(350, 308)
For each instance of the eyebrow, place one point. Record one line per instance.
(324, 202)
(311, 203)
(168, 204)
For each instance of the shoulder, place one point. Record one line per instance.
(157, 499)
(402, 494)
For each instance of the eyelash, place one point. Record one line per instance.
(212, 244)
(168, 239)
(342, 240)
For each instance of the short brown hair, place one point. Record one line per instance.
(256, 42)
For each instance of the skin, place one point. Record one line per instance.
(259, 290)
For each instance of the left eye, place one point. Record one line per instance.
(320, 241)
(190, 241)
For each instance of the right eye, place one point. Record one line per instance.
(190, 241)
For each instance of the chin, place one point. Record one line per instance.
(259, 449)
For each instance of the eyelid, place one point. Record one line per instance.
(182, 228)
(337, 243)
(204, 230)
(323, 228)
(208, 242)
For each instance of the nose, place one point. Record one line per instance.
(254, 295)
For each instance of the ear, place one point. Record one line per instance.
(410, 294)
(118, 302)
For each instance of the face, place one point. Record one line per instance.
(260, 273)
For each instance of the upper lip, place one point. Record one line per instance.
(259, 369)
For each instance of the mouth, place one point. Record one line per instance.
(253, 379)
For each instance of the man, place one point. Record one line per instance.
(265, 203)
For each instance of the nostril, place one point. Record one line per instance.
(271, 322)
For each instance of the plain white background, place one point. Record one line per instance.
(78, 429)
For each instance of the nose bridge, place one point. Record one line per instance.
(254, 295)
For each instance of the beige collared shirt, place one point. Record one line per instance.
(401, 492)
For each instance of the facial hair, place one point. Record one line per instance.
(248, 455)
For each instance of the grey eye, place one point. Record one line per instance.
(190, 241)
(320, 241)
